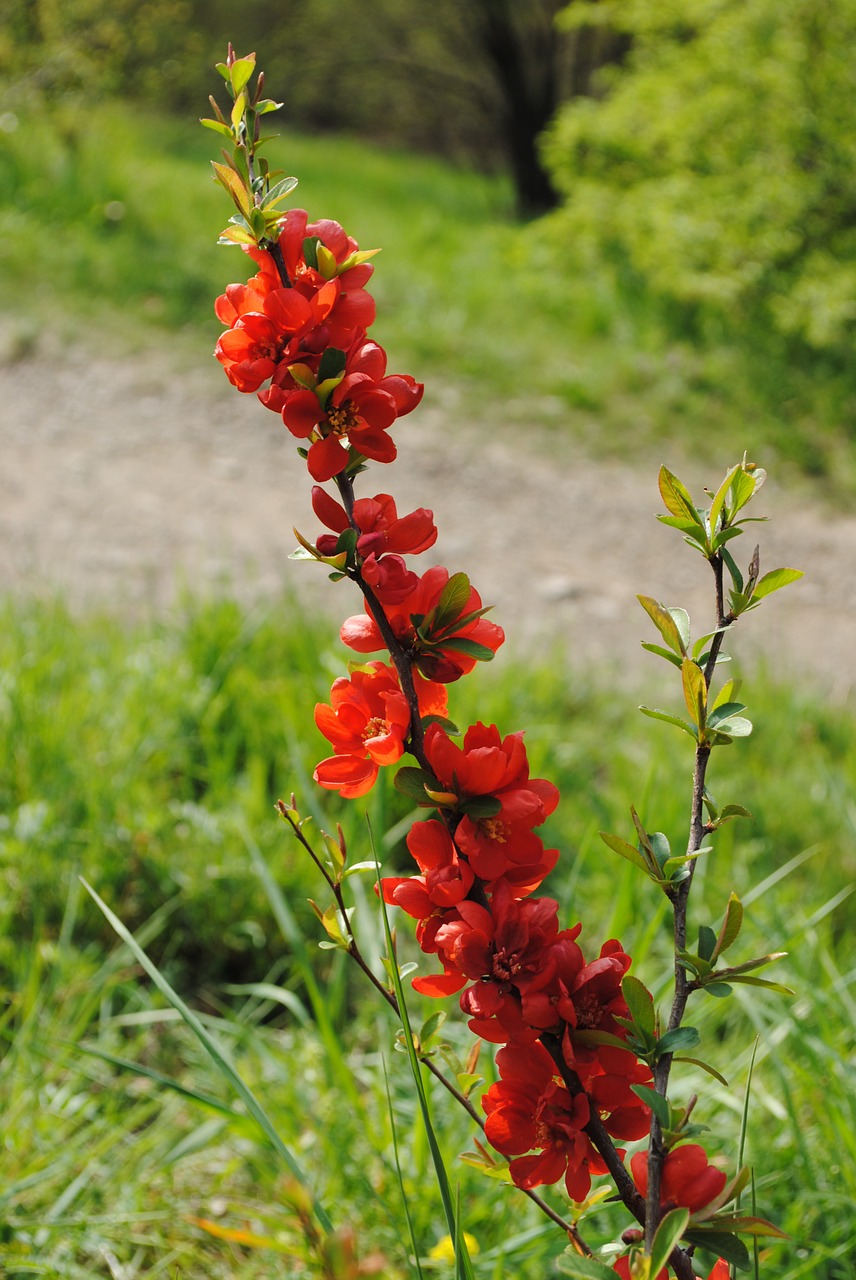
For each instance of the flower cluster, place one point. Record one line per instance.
(299, 326)
(297, 336)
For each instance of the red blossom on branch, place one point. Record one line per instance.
(444, 643)
(381, 529)
(688, 1179)
(367, 721)
(531, 1109)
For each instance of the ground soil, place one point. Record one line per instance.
(126, 478)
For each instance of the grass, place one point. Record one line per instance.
(149, 759)
(115, 226)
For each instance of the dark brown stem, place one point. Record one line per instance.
(276, 253)
(400, 657)
(600, 1139)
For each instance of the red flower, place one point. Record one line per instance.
(260, 341)
(529, 1108)
(241, 298)
(490, 765)
(353, 309)
(381, 528)
(367, 722)
(500, 950)
(624, 1115)
(351, 420)
(687, 1180)
(389, 578)
(433, 646)
(445, 881)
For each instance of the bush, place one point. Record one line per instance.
(719, 165)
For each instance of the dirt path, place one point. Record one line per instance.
(122, 479)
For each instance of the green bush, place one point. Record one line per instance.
(720, 166)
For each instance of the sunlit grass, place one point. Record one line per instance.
(149, 759)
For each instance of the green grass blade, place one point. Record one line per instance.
(216, 1054)
(463, 1265)
(292, 935)
(405, 1202)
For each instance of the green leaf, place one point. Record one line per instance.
(680, 863)
(664, 622)
(449, 725)
(705, 1066)
(749, 1225)
(718, 502)
(734, 727)
(471, 648)
(481, 807)
(571, 1264)
(678, 1038)
(694, 963)
(674, 658)
(660, 848)
(332, 364)
(639, 1002)
(750, 980)
(687, 526)
(725, 535)
(695, 692)
(654, 714)
(681, 619)
(467, 1081)
(431, 1026)
(453, 599)
(728, 1246)
(698, 647)
(734, 811)
(218, 127)
(744, 486)
(731, 565)
(240, 72)
(310, 251)
(264, 108)
(357, 868)
(624, 850)
(657, 1103)
(676, 498)
(229, 179)
(730, 928)
(719, 989)
(278, 192)
(724, 712)
(412, 782)
(669, 1232)
(774, 581)
(457, 623)
(706, 942)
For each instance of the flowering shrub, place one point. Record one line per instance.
(585, 1059)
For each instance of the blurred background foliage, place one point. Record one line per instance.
(684, 172)
(720, 166)
(476, 82)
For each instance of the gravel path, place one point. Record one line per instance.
(123, 479)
